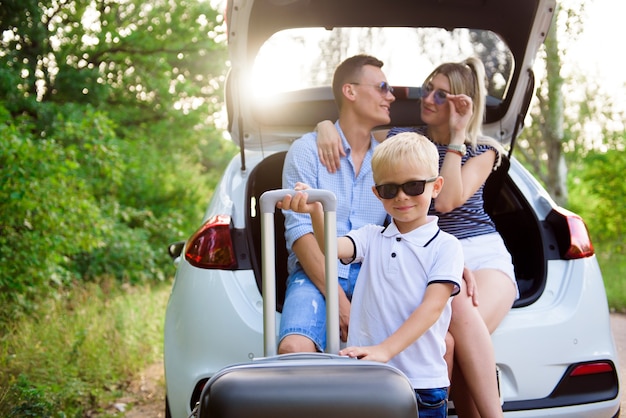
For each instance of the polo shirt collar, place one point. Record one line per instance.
(421, 236)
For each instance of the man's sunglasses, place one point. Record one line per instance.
(410, 188)
(439, 97)
(383, 88)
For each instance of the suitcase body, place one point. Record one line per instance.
(306, 385)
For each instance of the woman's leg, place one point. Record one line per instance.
(449, 355)
(474, 354)
(496, 297)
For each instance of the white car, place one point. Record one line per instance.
(554, 350)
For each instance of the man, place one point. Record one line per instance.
(363, 98)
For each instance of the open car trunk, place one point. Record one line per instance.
(522, 232)
(271, 71)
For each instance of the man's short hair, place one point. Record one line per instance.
(349, 71)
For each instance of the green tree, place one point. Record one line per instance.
(110, 145)
(555, 134)
(541, 141)
(575, 137)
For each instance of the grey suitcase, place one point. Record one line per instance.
(307, 385)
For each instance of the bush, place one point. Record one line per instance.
(598, 194)
(47, 213)
(78, 203)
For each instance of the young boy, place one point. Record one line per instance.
(401, 305)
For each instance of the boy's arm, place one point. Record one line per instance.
(345, 245)
(423, 317)
(298, 203)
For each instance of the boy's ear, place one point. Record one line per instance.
(437, 186)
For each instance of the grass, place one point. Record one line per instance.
(613, 266)
(80, 351)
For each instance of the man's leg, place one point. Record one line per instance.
(303, 320)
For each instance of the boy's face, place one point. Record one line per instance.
(408, 212)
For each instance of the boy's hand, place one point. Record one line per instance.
(298, 201)
(372, 353)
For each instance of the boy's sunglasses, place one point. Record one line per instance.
(383, 88)
(439, 97)
(410, 188)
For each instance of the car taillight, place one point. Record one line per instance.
(211, 246)
(572, 234)
(592, 368)
(594, 381)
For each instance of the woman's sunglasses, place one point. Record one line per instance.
(439, 97)
(410, 188)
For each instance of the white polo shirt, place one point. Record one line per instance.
(396, 270)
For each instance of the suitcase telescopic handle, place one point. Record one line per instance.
(267, 203)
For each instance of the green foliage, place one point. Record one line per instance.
(85, 352)
(29, 401)
(83, 204)
(108, 153)
(108, 148)
(598, 194)
(47, 212)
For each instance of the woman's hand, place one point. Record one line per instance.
(329, 145)
(470, 284)
(461, 110)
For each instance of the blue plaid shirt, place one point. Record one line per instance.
(356, 203)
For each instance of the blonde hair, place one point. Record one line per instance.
(405, 146)
(468, 77)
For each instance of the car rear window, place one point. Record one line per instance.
(297, 59)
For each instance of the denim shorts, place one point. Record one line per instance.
(432, 403)
(304, 310)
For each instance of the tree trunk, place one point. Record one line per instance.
(552, 130)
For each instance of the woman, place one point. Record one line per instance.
(452, 109)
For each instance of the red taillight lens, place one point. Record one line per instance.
(572, 234)
(212, 246)
(580, 242)
(592, 368)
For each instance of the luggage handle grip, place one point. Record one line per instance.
(307, 356)
(267, 204)
(270, 198)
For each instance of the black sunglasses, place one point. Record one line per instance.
(440, 95)
(383, 88)
(410, 188)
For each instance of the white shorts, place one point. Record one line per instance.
(488, 252)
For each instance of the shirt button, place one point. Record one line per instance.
(398, 239)
(393, 255)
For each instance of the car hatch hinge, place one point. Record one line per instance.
(194, 413)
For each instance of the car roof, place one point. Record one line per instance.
(522, 24)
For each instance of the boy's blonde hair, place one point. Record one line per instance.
(405, 146)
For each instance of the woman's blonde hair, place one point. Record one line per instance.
(405, 146)
(468, 77)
